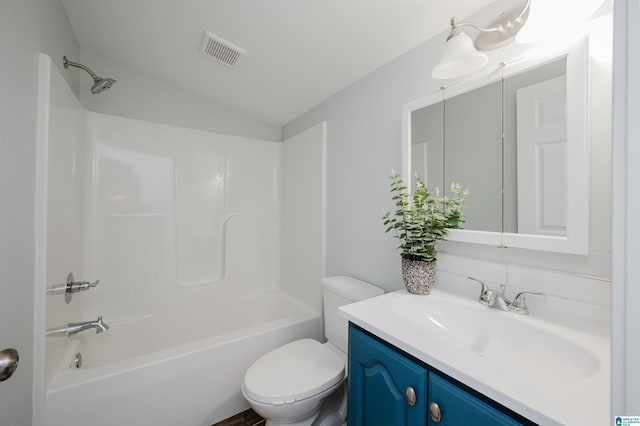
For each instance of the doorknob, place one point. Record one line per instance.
(8, 363)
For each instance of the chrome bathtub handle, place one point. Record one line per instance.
(72, 286)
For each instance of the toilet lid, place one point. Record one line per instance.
(293, 372)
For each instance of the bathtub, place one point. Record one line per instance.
(173, 369)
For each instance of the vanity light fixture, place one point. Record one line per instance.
(462, 56)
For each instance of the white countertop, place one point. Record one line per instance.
(553, 391)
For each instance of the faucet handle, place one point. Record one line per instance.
(519, 304)
(487, 296)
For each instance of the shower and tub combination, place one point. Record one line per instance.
(183, 229)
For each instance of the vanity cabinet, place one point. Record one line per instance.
(455, 406)
(387, 387)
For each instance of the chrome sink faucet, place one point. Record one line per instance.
(498, 300)
(76, 327)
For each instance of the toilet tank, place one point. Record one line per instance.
(338, 291)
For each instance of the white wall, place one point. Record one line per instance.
(364, 144)
(26, 28)
(144, 97)
(303, 214)
(626, 238)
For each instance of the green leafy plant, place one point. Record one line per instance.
(421, 220)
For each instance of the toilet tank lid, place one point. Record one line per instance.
(351, 288)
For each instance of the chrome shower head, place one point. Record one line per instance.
(99, 84)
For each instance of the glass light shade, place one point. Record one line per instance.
(459, 58)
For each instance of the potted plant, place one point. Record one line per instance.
(419, 222)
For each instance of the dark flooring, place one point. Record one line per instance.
(246, 418)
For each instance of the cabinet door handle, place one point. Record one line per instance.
(410, 395)
(434, 411)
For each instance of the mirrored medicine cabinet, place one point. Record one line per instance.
(518, 140)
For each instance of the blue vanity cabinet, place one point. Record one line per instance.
(450, 405)
(385, 388)
(389, 388)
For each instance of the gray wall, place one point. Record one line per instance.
(364, 132)
(26, 28)
(363, 145)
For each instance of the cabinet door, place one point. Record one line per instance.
(379, 380)
(458, 407)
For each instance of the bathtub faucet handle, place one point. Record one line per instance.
(72, 286)
(83, 285)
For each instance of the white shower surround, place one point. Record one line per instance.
(183, 229)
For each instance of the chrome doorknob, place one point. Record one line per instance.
(8, 363)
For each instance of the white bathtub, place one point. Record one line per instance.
(181, 369)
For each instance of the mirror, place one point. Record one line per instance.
(443, 151)
(535, 126)
(518, 142)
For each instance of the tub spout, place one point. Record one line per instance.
(76, 327)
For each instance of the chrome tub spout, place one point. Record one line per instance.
(76, 327)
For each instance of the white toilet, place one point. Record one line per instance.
(303, 383)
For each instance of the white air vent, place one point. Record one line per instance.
(220, 49)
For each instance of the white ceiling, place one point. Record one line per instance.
(299, 52)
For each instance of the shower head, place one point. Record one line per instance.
(99, 84)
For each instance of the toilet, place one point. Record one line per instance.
(303, 383)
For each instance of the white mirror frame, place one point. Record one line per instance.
(576, 240)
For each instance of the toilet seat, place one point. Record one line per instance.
(293, 372)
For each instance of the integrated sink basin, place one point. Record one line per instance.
(551, 372)
(514, 342)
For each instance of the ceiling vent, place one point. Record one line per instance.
(220, 49)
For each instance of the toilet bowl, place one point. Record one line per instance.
(290, 383)
(303, 383)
